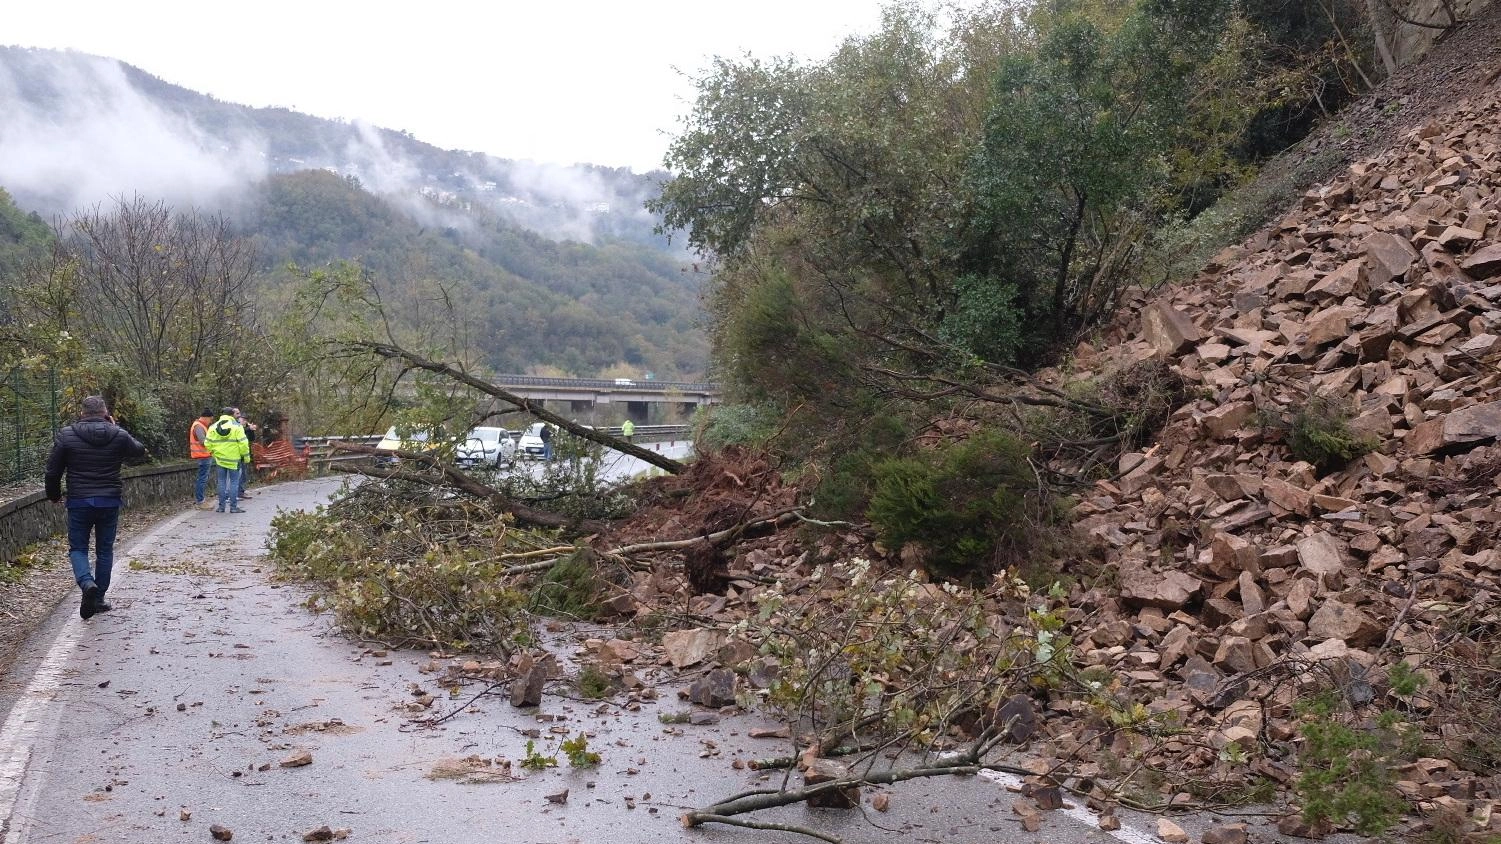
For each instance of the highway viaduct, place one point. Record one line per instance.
(582, 396)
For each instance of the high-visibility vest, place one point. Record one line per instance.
(196, 449)
(227, 443)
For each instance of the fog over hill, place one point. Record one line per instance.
(557, 267)
(76, 130)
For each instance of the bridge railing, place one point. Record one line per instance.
(652, 385)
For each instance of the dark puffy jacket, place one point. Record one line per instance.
(90, 452)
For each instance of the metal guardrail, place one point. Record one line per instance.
(320, 449)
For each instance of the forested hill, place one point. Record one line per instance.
(575, 307)
(557, 267)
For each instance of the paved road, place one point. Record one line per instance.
(207, 672)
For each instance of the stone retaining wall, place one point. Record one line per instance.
(31, 518)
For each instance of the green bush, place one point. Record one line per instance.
(718, 427)
(1347, 774)
(968, 507)
(1320, 434)
(845, 489)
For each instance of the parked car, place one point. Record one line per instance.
(485, 446)
(413, 441)
(530, 444)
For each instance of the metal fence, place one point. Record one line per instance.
(28, 420)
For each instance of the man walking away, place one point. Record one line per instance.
(628, 430)
(198, 450)
(546, 436)
(226, 442)
(89, 452)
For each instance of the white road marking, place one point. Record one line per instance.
(1079, 813)
(30, 715)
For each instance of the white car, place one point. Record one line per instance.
(490, 447)
(530, 444)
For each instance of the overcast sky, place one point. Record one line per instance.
(561, 81)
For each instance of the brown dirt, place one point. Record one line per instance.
(717, 491)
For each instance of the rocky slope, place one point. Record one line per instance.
(1246, 578)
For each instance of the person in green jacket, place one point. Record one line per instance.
(227, 443)
(628, 430)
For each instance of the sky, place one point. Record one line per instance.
(559, 81)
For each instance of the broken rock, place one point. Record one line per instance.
(1484, 263)
(1169, 591)
(690, 647)
(1339, 620)
(1171, 832)
(1320, 554)
(1168, 329)
(827, 770)
(526, 690)
(298, 759)
(1234, 833)
(715, 689)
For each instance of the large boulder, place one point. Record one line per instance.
(1168, 329)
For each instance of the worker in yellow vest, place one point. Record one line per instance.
(227, 443)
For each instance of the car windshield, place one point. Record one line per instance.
(414, 436)
(488, 436)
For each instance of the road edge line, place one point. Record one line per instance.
(1079, 813)
(18, 733)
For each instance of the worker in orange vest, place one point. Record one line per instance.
(198, 450)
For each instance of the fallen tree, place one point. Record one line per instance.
(465, 483)
(413, 360)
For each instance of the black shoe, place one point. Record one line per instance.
(236, 510)
(90, 604)
(100, 606)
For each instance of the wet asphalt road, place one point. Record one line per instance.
(207, 671)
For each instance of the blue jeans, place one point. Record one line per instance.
(229, 485)
(547, 450)
(102, 522)
(205, 468)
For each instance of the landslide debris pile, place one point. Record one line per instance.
(1246, 576)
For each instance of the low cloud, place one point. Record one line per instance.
(77, 131)
(98, 138)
